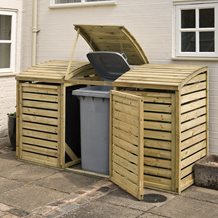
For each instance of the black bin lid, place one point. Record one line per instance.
(108, 65)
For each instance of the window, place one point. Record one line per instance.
(59, 3)
(196, 30)
(7, 41)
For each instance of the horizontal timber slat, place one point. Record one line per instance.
(157, 125)
(193, 158)
(156, 162)
(40, 97)
(40, 135)
(187, 181)
(125, 136)
(157, 180)
(193, 96)
(125, 109)
(38, 119)
(157, 108)
(193, 88)
(193, 105)
(193, 149)
(125, 154)
(41, 159)
(158, 135)
(129, 119)
(38, 104)
(40, 112)
(125, 127)
(40, 142)
(39, 127)
(157, 153)
(192, 132)
(154, 171)
(158, 116)
(157, 144)
(193, 114)
(192, 123)
(124, 172)
(125, 145)
(195, 139)
(40, 150)
(126, 164)
(40, 90)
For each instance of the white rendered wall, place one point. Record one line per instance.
(149, 21)
(7, 80)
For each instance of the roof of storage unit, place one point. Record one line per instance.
(169, 77)
(113, 38)
(55, 71)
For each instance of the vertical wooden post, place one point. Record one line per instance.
(18, 119)
(62, 102)
(178, 142)
(141, 150)
(67, 76)
(207, 111)
(174, 144)
(111, 136)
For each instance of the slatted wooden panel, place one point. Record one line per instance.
(194, 113)
(126, 159)
(159, 146)
(39, 116)
(55, 71)
(165, 77)
(113, 38)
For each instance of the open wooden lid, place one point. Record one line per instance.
(113, 38)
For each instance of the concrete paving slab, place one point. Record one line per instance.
(7, 184)
(202, 194)
(121, 198)
(150, 215)
(9, 215)
(67, 182)
(27, 172)
(4, 207)
(30, 197)
(8, 161)
(99, 209)
(181, 207)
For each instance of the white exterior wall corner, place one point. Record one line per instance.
(151, 22)
(7, 83)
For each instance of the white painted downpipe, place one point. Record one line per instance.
(34, 30)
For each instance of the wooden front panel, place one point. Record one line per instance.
(159, 140)
(126, 149)
(39, 123)
(194, 116)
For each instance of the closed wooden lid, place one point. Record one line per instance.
(168, 77)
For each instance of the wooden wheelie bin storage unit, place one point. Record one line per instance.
(159, 127)
(48, 130)
(158, 120)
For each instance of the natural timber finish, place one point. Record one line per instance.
(161, 77)
(175, 123)
(113, 38)
(127, 143)
(41, 125)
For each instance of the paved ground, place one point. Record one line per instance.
(33, 191)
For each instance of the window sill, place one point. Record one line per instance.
(185, 2)
(87, 4)
(195, 58)
(8, 74)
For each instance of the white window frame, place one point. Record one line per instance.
(178, 30)
(83, 3)
(12, 41)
